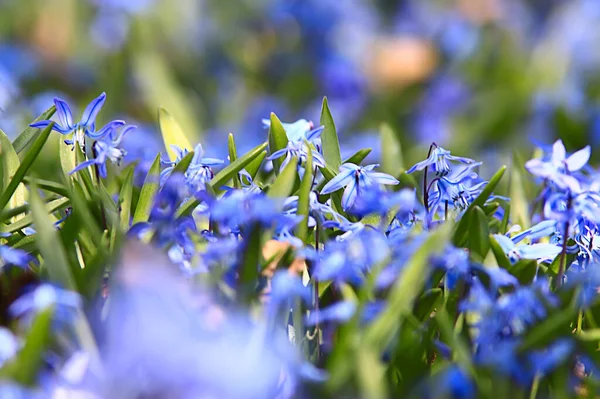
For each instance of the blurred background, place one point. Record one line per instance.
(478, 76)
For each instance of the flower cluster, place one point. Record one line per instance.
(183, 282)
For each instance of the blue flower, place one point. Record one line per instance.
(106, 148)
(558, 168)
(299, 150)
(85, 127)
(198, 173)
(455, 187)
(525, 251)
(66, 304)
(14, 256)
(438, 160)
(355, 178)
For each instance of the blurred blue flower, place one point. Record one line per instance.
(85, 127)
(356, 178)
(340, 312)
(65, 303)
(558, 168)
(14, 256)
(300, 130)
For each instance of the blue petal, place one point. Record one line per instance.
(92, 110)
(63, 112)
(339, 181)
(383, 178)
(578, 160)
(539, 251)
(315, 133)
(349, 195)
(505, 242)
(277, 154)
(83, 165)
(108, 128)
(559, 153)
(340, 312)
(56, 127)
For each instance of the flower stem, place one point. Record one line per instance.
(563, 253)
(425, 188)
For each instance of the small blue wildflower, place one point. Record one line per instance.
(9, 345)
(559, 167)
(438, 160)
(299, 150)
(85, 127)
(198, 173)
(106, 148)
(547, 360)
(455, 188)
(355, 178)
(318, 212)
(525, 251)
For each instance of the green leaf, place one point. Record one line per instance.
(519, 205)
(232, 157)
(501, 257)
(556, 325)
(67, 157)
(489, 188)
(284, 183)
(9, 164)
(427, 303)
(125, 198)
(391, 151)
(48, 185)
(148, 193)
(30, 133)
(26, 220)
(277, 140)
(19, 174)
(358, 156)
(172, 133)
(406, 290)
(304, 198)
(25, 367)
(55, 263)
(479, 233)
(570, 258)
(84, 174)
(329, 138)
(183, 165)
(524, 270)
(225, 175)
(461, 234)
(254, 167)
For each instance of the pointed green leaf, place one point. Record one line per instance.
(329, 138)
(172, 133)
(358, 156)
(501, 257)
(26, 220)
(68, 161)
(479, 233)
(183, 165)
(9, 164)
(19, 174)
(519, 205)
(304, 198)
(31, 133)
(232, 157)
(48, 185)
(406, 289)
(125, 198)
(55, 263)
(277, 140)
(284, 183)
(489, 188)
(148, 193)
(391, 151)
